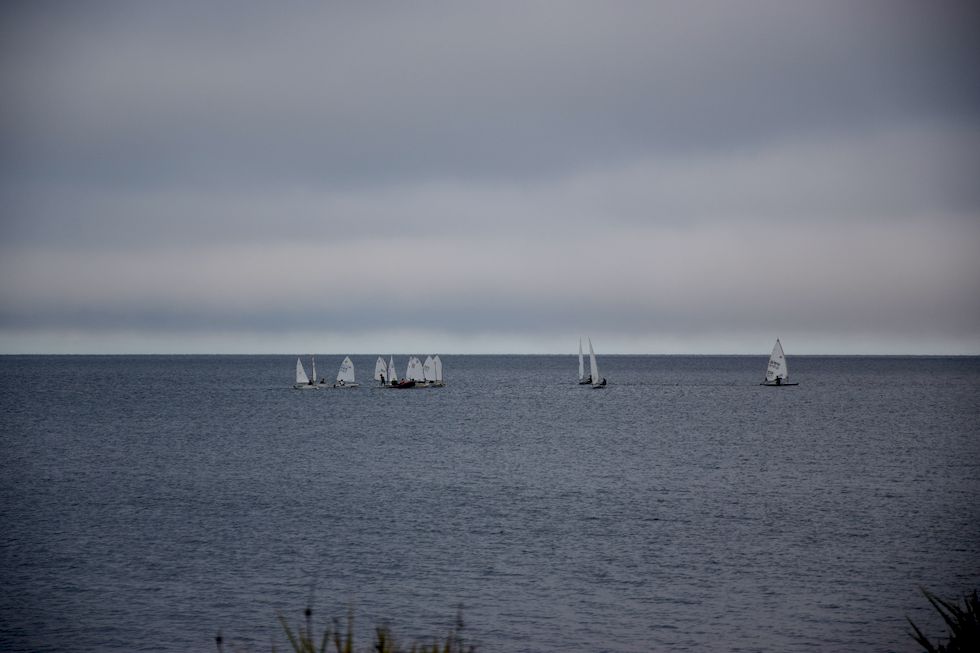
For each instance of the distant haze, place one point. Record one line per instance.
(665, 177)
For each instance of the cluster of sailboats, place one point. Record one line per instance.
(417, 375)
(428, 374)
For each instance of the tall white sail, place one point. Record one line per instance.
(392, 374)
(301, 378)
(777, 365)
(429, 369)
(346, 372)
(581, 362)
(593, 365)
(314, 368)
(437, 364)
(414, 371)
(380, 369)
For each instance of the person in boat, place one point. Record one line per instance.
(779, 380)
(603, 382)
(589, 380)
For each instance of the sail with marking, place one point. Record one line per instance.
(392, 374)
(380, 369)
(593, 365)
(414, 371)
(429, 369)
(437, 364)
(346, 372)
(777, 365)
(301, 378)
(581, 362)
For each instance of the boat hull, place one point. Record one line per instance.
(778, 385)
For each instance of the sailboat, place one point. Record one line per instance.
(302, 381)
(414, 371)
(777, 372)
(438, 381)
(380, 370)
(429, 370)
(345, 375)
(393, 381)
(597, 381)
(582, 379)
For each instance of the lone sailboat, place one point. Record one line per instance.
(302, 381)
(777, 373)
(597, 381)
(345, 375)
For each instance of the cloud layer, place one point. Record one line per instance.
(665, 177)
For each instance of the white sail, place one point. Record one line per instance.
(429, 369)
(380, 369)
(314, 368)
(301, 378)
(414, 371)
(777, 365)
(346, 372)
(392, 375)
(437, 363)
(593, 365)
(581, 362)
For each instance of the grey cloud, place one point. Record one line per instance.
(338, 95)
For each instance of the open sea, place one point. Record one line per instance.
(149, 502)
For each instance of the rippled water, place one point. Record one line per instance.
(147, 502)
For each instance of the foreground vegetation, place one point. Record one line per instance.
(963, 636)
(963, 625)
(305, 640)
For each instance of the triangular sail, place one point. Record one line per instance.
(428, 369)
(593, 365)
(414, 371)
(777, 364)
(392, 375)
(314, 368)
(301, 373)
(346, 372)
(437, 364)
(380, 369)
(581, 362)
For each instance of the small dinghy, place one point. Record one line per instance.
(582, 379)
(597, 380)
(303, 382)
(380, 370)
(345, 375)
(777, 373)
(438, 382)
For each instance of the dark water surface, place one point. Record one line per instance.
(147, 502)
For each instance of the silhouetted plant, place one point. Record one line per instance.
(304, 640)
(963, 624)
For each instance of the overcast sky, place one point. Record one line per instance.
(456, 177)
